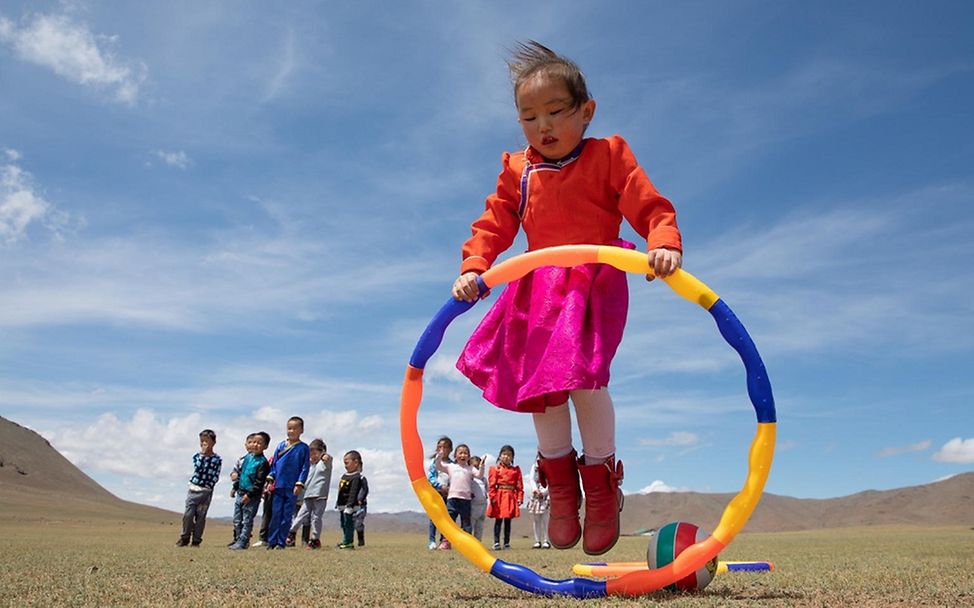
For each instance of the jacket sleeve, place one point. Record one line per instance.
(305, 457)
(259, 479)
(519, 484)
(647, 211)
(492, 484)
(494, 231)
(363, 491)
(433, 476)
(328, 469)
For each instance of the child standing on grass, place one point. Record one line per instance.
(235, 477)
(478, 505)
(505, 491)
(348, 497)
(288, 472)
(461, 474)
(363, 494)
(250, 485)
(552, 334)
(206, 472)
(441, 483)
(538, 508)
(315, 493)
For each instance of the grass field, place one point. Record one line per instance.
(136, 564)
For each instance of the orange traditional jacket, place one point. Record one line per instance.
(578, 200)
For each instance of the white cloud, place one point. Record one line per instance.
(73, 52)
(676, 438)
(920, 446)
(956, 450)
(21, 205)
(178, 159)
(660, 486)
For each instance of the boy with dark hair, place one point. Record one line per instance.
(288, 472)
(253, 474)
(206, 472)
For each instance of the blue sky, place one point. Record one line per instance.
(223, 214)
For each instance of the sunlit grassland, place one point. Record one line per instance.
(136, 564)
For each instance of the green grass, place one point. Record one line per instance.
(136, 564)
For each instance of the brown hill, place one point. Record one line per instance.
(37, 482)
(947, 502)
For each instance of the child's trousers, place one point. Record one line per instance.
(281, 513)
(312, 509)
(194, 515)
(348, 527)
(243, 519)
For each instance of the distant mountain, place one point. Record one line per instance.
(36, 481)
(947, 502)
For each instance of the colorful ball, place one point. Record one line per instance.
(668, 542)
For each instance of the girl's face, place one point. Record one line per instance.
(351, 464)
(506, 458)
(462, 455)
(550, 123)
(443, 448)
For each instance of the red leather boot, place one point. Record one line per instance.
(603, 502)
(560, 476)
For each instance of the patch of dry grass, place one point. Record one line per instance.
(113, 564)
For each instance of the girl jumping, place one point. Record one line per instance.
(551, 335)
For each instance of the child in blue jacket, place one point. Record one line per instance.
(288, 472)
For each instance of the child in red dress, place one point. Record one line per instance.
(505, 493)
(552, 334)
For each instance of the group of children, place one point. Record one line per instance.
(471, 498)
(293, 484)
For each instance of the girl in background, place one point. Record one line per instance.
(478, 506)
(538, 508)
(505, 493)
(441, 483)
(460, 496)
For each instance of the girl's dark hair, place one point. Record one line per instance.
(461, 445)
(355, 455)
(446, 439)
(297, 419)
(209, 434)
(506, 448)
(531, 58)
(317, 445)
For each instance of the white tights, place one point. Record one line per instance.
(596, 425)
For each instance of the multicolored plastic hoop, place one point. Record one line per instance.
(642, 581)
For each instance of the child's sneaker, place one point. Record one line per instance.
(314, 544)
(545, 545)
(237, 547)
(346, 546)
(506, 546)
(259, 543)
(432, 545)
(444, 545)
(536, 546)
(497, 546)
(289, 541)
(182, 542)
